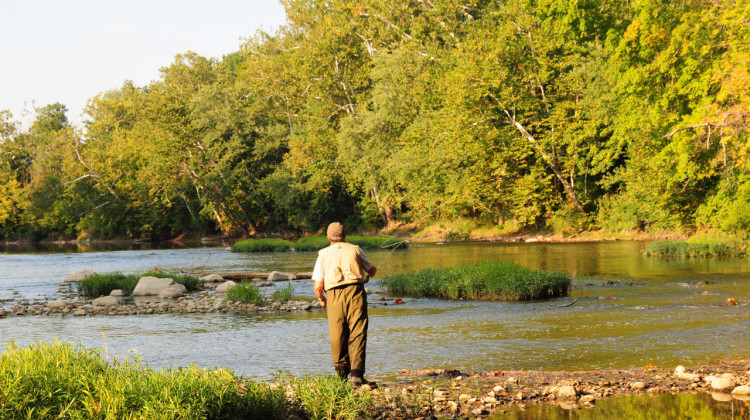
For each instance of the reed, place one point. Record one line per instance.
(262, 245)
(104, 284)
(491, 280)
(694, 249)
(246, 292)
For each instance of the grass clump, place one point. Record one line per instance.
(694, 249)
(63, 381)
(315, 243)
(283, 294)
(246, 292)
(328, 397)
(262, 245)
(104, 284)
(311, 243)
(491, 280)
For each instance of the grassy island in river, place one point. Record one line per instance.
(491, 280)
(315, 243)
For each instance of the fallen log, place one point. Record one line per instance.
(263, 276)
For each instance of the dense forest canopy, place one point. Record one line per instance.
(616, 115)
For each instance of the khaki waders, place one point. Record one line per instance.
(347, 323)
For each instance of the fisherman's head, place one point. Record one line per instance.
(336, 232)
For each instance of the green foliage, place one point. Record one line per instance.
(569, 115)
(328, 397)
(283, 294)
(311, 243)
(104, 284)
(694, 249)
(261, 245)
(492, 280)
(63, 381)
(246, 292)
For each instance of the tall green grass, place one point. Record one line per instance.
(491, 280)
(62, 381)
(59, 380)
(262, 245)
(315, 243)
(693, 249)
(246, 292)
(104, 284)
(283, 294)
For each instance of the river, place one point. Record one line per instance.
(632, 311)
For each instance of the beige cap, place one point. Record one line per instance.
(336, 232)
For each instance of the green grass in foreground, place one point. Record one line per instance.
(261, 245)
(693, 249)
(46, 381)
(315, 243)
(104, 284)
(491, 280)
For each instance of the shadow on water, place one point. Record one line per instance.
(700, 406)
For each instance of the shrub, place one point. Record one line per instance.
(491, 280)
(261, 245)
(63, 381)
(246, 292)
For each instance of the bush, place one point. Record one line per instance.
(104, 284)
(246, 292)
(62, 381)
(491, 280)
(693, 249)
(261, 245)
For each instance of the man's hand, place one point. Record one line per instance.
(371, 272)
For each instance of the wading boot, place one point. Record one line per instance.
(358, 380)
(342, 371)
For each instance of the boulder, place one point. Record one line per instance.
(173, 291)
(279, 276)
(78, 275)
(151, 286)
(213, 278)
(567, 391)
(723, 384)
(117, 293)
(105, 301)
(58, 304)
(741, 390)
(224, 287)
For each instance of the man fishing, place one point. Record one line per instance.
(340, 275)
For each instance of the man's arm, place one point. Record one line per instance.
(372, 271)
(319, 286)
(320, 292)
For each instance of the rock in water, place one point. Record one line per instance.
(78, 275)
(567, 391)
(58, 304)
(117, 293)
(722, 384)
(213, 278)
(105, 301)
(173, 291)
(741, 390)
(151, 286)
(279, 276)
(224, 287)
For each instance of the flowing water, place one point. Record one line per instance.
(632, 311)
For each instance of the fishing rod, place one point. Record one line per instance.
(389, 254)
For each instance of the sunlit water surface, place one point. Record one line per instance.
(632, 311)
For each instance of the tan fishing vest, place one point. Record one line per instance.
(341, 265)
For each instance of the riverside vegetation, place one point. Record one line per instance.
(315, 243)
(491, 280)
(518, 114)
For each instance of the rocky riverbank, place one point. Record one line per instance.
(454, 394)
